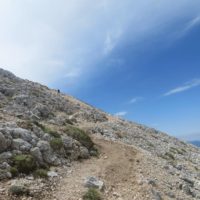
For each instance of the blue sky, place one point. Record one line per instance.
(135, 59)
(160, 88)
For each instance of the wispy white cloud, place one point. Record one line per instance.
(190, 25)
(73, 73)
(111, 41)
(186, 86)
(42, 40)
(135, 100)
(121, 113)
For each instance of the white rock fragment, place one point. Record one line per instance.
(52, 174)
(93, 182)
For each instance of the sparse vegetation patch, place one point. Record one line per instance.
(47, 130)
(26, 124)
(40, 173)
(14, 171)
(176, 150)
(18, 190)
(92, 194)
(56, 143)
(169, 155)
(79, 135)
(24, 163)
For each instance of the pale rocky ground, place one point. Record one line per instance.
(135, 162)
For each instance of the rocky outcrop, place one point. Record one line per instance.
(93, 182)
(19, 141)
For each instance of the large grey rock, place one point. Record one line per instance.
(9, 92)
(46, 137)
(47, 153)
(5, 156)
(3, 145)
(21, 133)
(42, 111)
(5, 166)
(74, 153)
(43, 146)
(38, 132)
(52, 174)
(72, 148)
(35, 152)
(156, 194)
(16, 152)
(84, 153)
(5, 139)
(19, 144)
(22, 99)
(4, 174)
(68, 142)
(93, 182)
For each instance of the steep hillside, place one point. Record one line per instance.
(44, 132)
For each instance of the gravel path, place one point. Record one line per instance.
(116, 166)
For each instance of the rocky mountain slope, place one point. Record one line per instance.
(44, 133)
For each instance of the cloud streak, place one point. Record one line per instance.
(191, 24)
(185, 87)
(121, 113)
(47, 41)
(135, 100)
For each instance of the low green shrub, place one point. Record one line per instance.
(40, 173)
(14, 171)
(68, 121)
(183, 150)
(92, 194)
(56, 143)
(80, 136)
(169, 155)
(176, 150)
(39, 125)
(52, 133)
(24, 163)
(47, 130)
(25, 124)
(18, 190)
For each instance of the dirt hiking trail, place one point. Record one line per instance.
(116, 166)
